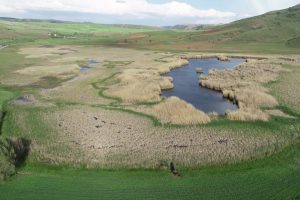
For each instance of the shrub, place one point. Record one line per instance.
(12, 154)
(7, 155)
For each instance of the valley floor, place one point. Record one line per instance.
(86, 120)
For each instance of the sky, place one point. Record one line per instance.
(142, 12)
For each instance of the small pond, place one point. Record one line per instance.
(91, 62)
(23, 100)
(186, 85)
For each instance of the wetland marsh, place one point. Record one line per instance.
(187, 87)
(113, 111)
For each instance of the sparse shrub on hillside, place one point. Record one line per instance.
(291, 15)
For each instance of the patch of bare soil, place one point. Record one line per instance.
(138, 36)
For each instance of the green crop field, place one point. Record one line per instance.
(276, 177)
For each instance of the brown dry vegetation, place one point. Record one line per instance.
(54, 70)
(144, 85)
(223, 58)
(244, 86)
(142, 82)
(106, 138)
(89, 135)
(176, 111)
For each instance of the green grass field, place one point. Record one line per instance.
(276, 177)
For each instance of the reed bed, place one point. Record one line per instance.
(144, 85)
(176, 111)
(243, 85)
(114, 139)
(203, 56)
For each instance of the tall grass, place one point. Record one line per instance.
(144, 85)
(244, 85)
(176, 111)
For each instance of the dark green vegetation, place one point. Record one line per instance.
(12, 154)
(274, 177)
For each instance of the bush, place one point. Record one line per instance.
(7, 155)
(12, 154)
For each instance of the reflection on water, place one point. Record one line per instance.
(91, 62)
(186, 85)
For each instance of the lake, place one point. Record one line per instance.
(186, 85)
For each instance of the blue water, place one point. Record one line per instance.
(89, 66)
(23, 99)
(186, 85)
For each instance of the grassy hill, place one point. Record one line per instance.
(23, 31)
(279, 28)
(273, 32)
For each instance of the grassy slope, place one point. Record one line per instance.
(271, 31)
(274, 32)
(22, 32)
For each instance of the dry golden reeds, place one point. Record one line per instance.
(176, 111)
(248, 114)
(223, 58)
(144, 85)
(243, 85)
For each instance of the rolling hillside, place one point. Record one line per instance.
(277, 27)
(273, 32)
